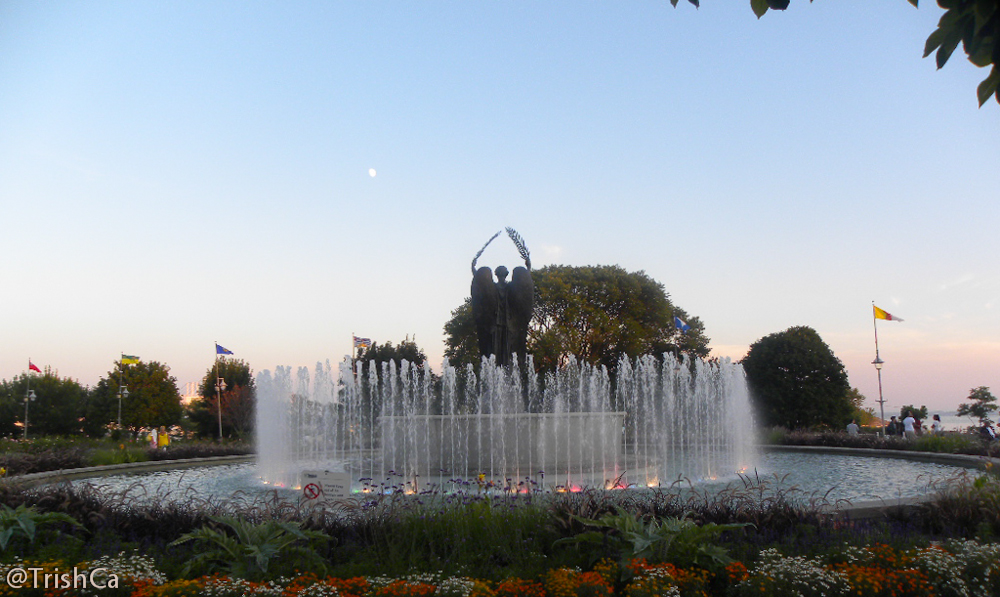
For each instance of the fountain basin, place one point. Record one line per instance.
(837, 476)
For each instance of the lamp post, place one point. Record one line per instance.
(220, 386)
(29, 397)
(122, 393)
(881, 402)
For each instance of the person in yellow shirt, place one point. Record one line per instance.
(162, 439)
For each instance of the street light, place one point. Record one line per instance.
(220, 386)
(29, 397)
(122, 393)
(881, 402)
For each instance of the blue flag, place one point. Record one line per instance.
(221, 350)
(681, 324)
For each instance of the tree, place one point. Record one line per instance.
(595, 313)
(918, 413)
(153, 399)
(864, 416)
(56, 409)
(461, 346)
(10, 398)
(378, 354)
(797, 381)
(975, 23)
(239, 400)
(983, 403)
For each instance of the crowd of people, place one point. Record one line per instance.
(910, 427)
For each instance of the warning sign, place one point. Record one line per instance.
(311, 491)
(327, 485)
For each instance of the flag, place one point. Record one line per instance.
(880, 314)
(680, 324)
(362, 342)
(128, 359)
(33, 367)
(222, 349)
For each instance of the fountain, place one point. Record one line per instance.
(404, 427)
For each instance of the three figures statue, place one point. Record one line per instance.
(502, 310)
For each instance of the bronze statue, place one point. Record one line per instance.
(502, 309)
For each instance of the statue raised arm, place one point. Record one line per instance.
(502, 310)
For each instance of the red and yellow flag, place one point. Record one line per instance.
(881, 314)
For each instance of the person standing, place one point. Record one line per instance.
(908, 426)
(937, 427)
(893, 427)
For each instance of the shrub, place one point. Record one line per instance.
(246, 550)
(23, 523)
(678, 540)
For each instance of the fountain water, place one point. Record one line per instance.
(403, 426)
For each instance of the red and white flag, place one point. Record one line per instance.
(33, 367)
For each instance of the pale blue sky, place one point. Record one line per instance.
(174, 174)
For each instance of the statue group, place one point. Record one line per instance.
(502, 309)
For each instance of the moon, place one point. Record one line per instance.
(371, 172)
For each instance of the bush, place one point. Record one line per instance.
(50, 459)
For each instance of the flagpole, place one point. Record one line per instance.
(878, 367)
(218, 388)
(27, 398)
(121, 366)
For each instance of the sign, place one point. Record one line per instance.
(312, 491)
(326, 485)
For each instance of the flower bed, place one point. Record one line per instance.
(954, 569)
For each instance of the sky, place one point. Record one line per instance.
(178, 174)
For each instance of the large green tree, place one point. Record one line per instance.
(153, 399)
(796, 381)
(595, 313)
(974, 23)
(55, 410)
(982, 405)
(238, 400)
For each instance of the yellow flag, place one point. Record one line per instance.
(128, 359)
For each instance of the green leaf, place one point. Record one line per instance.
(933, 41)
(948, 45)
(980, 54)
(759, 7)
(27, 526)
(989, 87)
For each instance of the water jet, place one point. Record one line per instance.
(653, 421)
